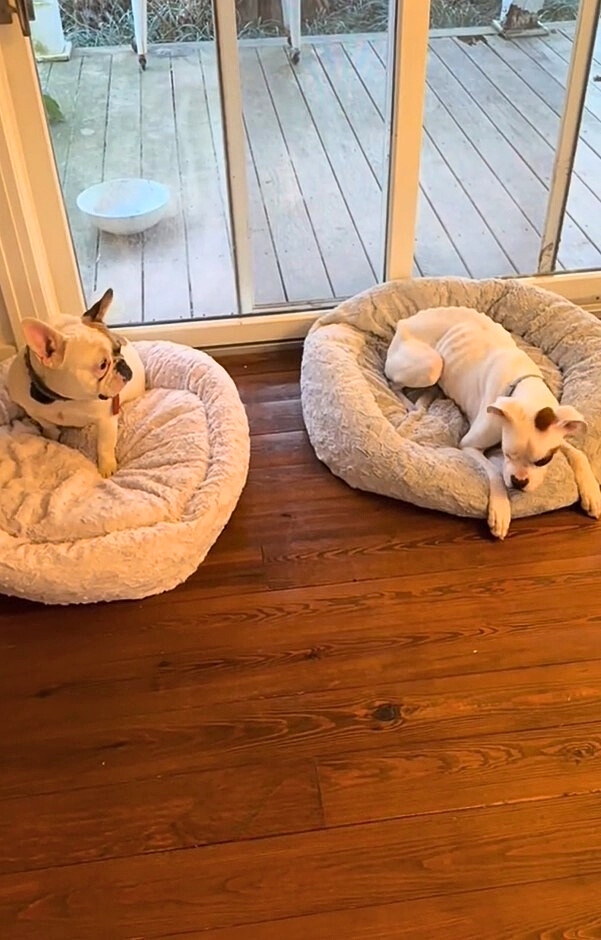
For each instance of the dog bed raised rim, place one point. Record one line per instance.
(67, 536)
(361, 430)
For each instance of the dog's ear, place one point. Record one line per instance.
(569, 420)
(47, 343)
(506, 408)
(97, 311)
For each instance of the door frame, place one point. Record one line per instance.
(38, 268)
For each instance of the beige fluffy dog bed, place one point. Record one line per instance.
(360, 428)
(67, 536)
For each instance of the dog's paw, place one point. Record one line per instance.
(499, 517)
(107, 466)
(590, 499)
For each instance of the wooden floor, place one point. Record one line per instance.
(357, 720)
(315, 142)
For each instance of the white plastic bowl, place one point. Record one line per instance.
(126, 206)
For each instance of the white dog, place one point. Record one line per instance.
(501, 391)
(77, 373)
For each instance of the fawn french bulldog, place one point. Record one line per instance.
(74, 373)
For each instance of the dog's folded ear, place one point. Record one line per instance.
(46, 342)
(97, 311)
(507, 408)
(569, 420)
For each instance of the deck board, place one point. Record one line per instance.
(316, 163)
(119, 263)
(211, 273)
(343, 254)
(166, 269)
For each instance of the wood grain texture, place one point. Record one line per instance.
(554, 909)
(308, 873)
(355, 718)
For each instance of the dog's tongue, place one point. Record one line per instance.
(116, 405)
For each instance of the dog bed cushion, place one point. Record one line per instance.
(361, 430)
(67, 536)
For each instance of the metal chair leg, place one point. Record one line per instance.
(140, 44)
(291, 10)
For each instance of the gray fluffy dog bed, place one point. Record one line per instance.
(359, 427)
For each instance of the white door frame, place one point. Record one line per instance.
(38, 268)
(569, 130)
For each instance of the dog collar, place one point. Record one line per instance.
(513, 385)
(40, 392)
(38, 389)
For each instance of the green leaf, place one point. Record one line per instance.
(53, 110)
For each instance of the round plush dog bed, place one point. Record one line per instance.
(67, 536)
(362, 431)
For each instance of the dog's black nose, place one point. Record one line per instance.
(122, 368)
(519, 484)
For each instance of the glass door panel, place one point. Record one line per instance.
(492, 116)
(316, 127)
(111, 120)
(584, 197)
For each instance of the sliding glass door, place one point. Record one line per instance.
(254, 162)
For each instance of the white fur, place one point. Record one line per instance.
(76, 348)
(475, 361)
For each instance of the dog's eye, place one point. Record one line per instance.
(103, 366)
(543, 461)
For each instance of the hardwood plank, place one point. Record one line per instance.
(562, 908)
(281, 386)
(86, 160)
(344, 257)
(335, 546)
(460, 775)
(166, 286)
(263, 647)
(245, 883)
(275, 416)
(120, 257)
(361, 192)
(301, 265)
(132, 742)
(159, 814)
(260, 361)
(210, 260)
(284, 449)
(268, 285)
(158, 773)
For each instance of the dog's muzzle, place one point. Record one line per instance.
(122, 369)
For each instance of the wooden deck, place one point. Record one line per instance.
(316, 163)
(357, 720)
